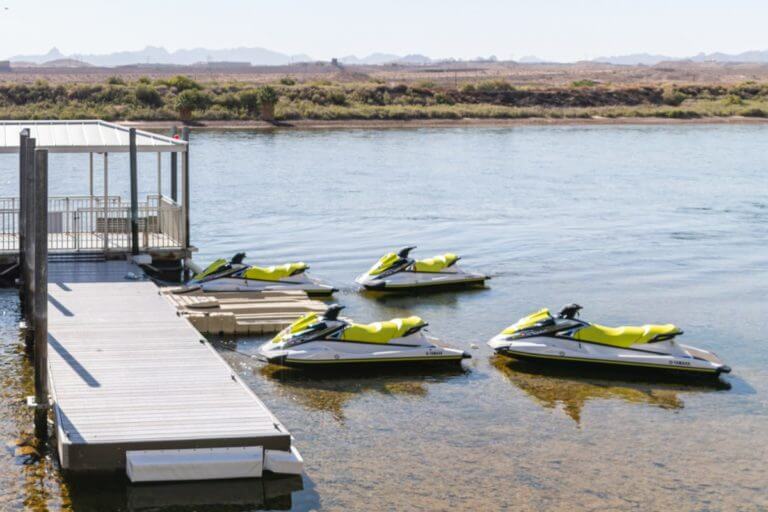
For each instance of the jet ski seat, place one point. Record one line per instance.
(436, 263)
(275, 273)
(625, 336)
(382, 332)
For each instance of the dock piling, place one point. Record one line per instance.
(29, 202)
(40, 296)
(23, 138)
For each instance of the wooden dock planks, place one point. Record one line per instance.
(244, 313)
(129, 373)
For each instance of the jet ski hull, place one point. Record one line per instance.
(546, 351)
(329, 353)
(422, 281)
(234, 284)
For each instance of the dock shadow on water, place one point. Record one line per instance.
(327, 390)
(568, 388)
(115, 493)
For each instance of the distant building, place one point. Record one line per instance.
(5, 66)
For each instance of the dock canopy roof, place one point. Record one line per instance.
(92, 136)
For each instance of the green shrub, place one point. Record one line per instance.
(494, 86)
(183, 83)
(583, 83)
(680, 114)
(672, 97)
(753, 112)
(148, 95)
(84, 92)
(267, 99)
(190, 100)
(115, 80)
(249, 100)
(144, 80)
(733, 99)
(287, 80)
(228, 101)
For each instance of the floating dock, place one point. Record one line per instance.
(127, 374)
(244, 313)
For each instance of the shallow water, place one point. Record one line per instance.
(636, 224)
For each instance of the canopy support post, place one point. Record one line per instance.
(174, 170)
(134, 193)
(106, 203)
(90, 174)
(185, 194)
(159, 177)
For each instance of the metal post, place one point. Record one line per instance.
(90, 169)
(174, 170)
(106, 202)
(185, 198)
(159, 177)
(185, 186)
(134, 193)
(23, 138)
(40, 319)
(29, 230)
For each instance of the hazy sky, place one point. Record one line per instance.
(551, 29)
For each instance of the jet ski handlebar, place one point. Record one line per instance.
(403, 253)
(237, 259)
(332, 313)
(570, 311)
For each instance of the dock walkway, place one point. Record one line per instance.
(126, 372)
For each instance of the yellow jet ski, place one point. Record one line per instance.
(566, 339)
(318, 341)
(236, 276)
(398, 271)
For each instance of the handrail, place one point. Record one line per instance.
(86, 223)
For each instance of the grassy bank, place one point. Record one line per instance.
(180, 98)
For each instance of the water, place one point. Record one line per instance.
(637, 224)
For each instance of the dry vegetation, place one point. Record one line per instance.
(324, 92)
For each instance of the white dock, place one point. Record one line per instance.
(127, 373)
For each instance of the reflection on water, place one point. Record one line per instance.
(328, 390)
(569, 388)
(112, 492)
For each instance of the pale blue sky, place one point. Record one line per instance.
(552, 29)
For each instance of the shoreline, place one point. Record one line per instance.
(378, 124)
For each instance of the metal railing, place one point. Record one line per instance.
(93, 224)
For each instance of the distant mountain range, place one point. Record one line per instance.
(648, 59)
(375, 59)
(263, 57)
(158, 55)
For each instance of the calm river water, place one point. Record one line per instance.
(636, 224)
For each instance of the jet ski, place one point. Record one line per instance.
(542, 337)
(317, 341)
(398, 271)
(236, 276)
